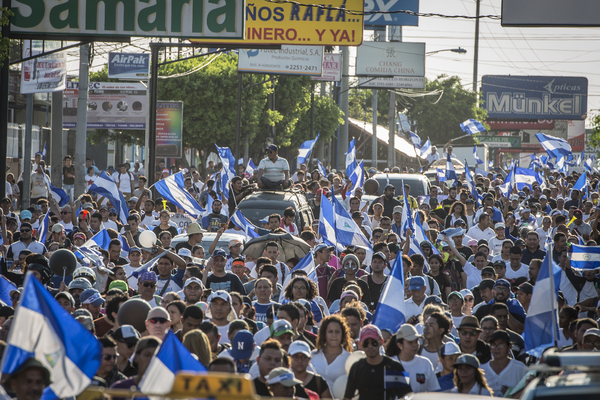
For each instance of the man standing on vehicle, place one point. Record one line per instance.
(388, 201)
(273, 171)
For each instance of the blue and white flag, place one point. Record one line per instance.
(250, 168)
(555, 147)
(451, 232)
(172, 357)
(105, 186)
(100, 239)
(357, 178)
(539, 333)
(43, 329)
(390, 312)
(585, 257)
(587, 164)
(415, 139)
(350, 158)
(476, 157)
(580, 158)
(327, 222)
(124, 246)
(306, 148)
(321, 169)
(5, 287)
(535, 161)
(490, 164)
(307, 264)
(43, 229)
(581, 183)
(441, 175)
(450, 172)
(246, 226)
(425, 148)
(472, 126)
(171, 191)
(149, 264)
(520, 177)
(228, 170)
(407, 215)
(420, 237)
(347, 232)
(45, 151)
(394, 379)
(89, 256)
(61, 197)
(472, 186)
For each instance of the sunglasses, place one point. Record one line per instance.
(148, 284)
(64, 212)
(158, 320)
(370, 342)
(109, 357)
(25, 230)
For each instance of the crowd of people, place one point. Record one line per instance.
(467, 291)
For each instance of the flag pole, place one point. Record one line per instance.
(460, 137)
(553, 296)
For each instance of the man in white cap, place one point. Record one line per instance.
(422, 377)
(219, 306)
(281, 383)
(192, 290)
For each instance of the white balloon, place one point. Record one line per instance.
(354, 357)
(147, 238)
(339, 388)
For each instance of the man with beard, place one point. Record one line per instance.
(213, 221)
(388, 201)
(29, 381)
(501, 293)
(192, 291)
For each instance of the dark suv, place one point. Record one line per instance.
(266, 202)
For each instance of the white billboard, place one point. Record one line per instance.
(42, 74)
(390, 59)
(332, 68)
(541, 13)
(291, 60)
(396, 82)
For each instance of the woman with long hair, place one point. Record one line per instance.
(334, 345)
(566, 315)
(302, 288)
(469, 378)
(436, 265)
(175, 310)
(457, 211)
(197, 343)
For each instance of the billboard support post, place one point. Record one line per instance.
(476, 50)
(27, 152)
(151, 144)
(81, 135)
(4, 77)
(56, 139)
(238, 125)
(342, 142)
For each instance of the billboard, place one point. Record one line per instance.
(389, 14)
(535, 97)
(169, 129)
(396, 82)
(540, 13)
(516, 125)
(332, 68)
(117, 18)
(128, 65)
(292, 60)
(111, 105)
(300, 23)
(42, 74)
(390, 59)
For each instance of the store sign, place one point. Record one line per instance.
(111, 105)
(390, 59)
(169, 129)
(501, 141)
(396, 82)
(292, 60)
(516, 125)
(389, 12)
(121, 18)
(301, 22)
(128, 65)
(332, 68)
(535, 97)
(42, 74)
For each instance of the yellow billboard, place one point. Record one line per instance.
(338, 23)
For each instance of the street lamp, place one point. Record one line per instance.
(460, 50)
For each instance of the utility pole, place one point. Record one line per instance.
(56, 141)
(476, 51)
(27, 151)
(343, 137)
(81, 134)
(378, 36)
(394, 35)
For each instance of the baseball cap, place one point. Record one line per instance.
(379, 254)
(299, 347)
(134, 249)
(79, 235)
(25, 214)
(416, 283)
(472, 242)
(282, 375)
(219, 294)
(499, 225)
(500, 335)
(166, 171)
(112, 211)
(450, 349)
(433, 299)
(469, 322)
(91, 206)
(103, 207)
(467, 359)
(148, 276)
(592, 332)
(119, 284)
(459, 221)
(234, 242)
(369, 332)
(57, 228)
(577, 213)
(514, 197)
(219, 253)
(242, 345)
(388, 186)
(91, 296)
(265, 220)
(273, 147)
(81, 312)
(323, 246)
(127, 334)
(397, 209)
(184, 252)
(525, 287)
(134, 199)
(502, 282)
(281, 327)
(456, 294)
(65, 295)
(408, 332)
(488, 270)
(158, 312)
(191, 280)
(466, 292)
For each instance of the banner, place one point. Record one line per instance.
(169, 129)
(332, 68)
(390, 59)
(42, 74)
(291, 60)
(128, 65)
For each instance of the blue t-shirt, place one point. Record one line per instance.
(261, 310)
(446, 382)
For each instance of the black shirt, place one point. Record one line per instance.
(335, 291)
(369, 380)
(229, 283)
(171, 229)
(261, 388)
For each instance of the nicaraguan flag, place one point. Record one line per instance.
(425, 149)
(5, 287)
(585, 257)
(57, 194)
(555, 147)
(100, 239)
(149, 264)
(105, 186)
(581, 182)
(171, 358)
(228, 170)
(539, 333)
(588, 164)
(171, 191)
(347, 232)
(249, 169)
(43, 329)
(441, 175)
(390, 309)
(472, 186)
(476, 157)
(306, 148)
(472, 126)
(520, 177)
(321, 168)
(350, 158)
(89, 256)
(581, 157)
(358, 177)
(396, 379)
(43, 229)
(450, 172)
(415, 139)
(407, 216)
(45, 151)
(327, 222)
(420, 236)
(241, 222)
(307, 264)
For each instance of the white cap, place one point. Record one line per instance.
(299, 347)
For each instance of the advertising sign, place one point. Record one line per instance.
(42, 74)
(150, 18)
(501, 141)
(111, 105)
(516, 125)
(293, 60)
(128, 65)
(540, 13)
(332, 68)
(535, 97)
(181, 220)
(169, 129)
(390, 59)
(395, 82)
(387, 16)
(301, 23)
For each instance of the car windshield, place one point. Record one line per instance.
(416, 185)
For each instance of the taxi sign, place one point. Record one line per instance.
(214, 385)
(301, 23)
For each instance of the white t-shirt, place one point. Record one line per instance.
(132, 281)
(329, 372)
(479, 234)
(411, 308)
(476, 389)
(512, 274)
(274, 171)
(510, 376)
(495, 245)
(568, 289)
(422, 376)
(173, 287)
(223, 331)
(68, 227)
(473, 275)
(123, 181)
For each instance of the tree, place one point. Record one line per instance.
(595, 137)
(5, 14)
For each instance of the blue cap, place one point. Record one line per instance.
(148, 276)
(25, 214)
(131, 250)
(110, 167)
(91, 296)
(265, 220)
(416, 283)
(219, 253)
(273, 147)
(373, 170)
(242, 345)
(113, 210)
(502, 282)
(323, 246)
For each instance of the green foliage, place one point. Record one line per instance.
(5, 15)
(595, 137)
(328, 117)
